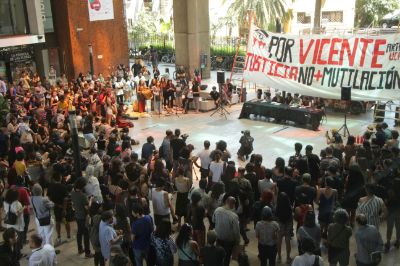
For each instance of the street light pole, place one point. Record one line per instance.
(91, 59)
(75, 143)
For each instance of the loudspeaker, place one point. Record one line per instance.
(220, 77)
(346, 93)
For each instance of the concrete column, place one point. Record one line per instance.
(35, 17)
(192, 33)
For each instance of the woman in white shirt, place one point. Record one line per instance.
(11, 204)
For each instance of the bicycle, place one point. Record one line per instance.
(168, 58)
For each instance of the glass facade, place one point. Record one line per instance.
(13, 17)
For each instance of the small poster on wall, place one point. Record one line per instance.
(100, 9)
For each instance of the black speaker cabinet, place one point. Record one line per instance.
(346, 93)
(220, 77)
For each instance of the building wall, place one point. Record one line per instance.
(75, 32)
(346, 6)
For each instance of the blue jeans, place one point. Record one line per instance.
(139, 256)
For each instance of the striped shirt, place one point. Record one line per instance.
(372, 208)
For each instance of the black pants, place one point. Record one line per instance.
(228, 247)
(120, 98)
(267, 254)
(186, 103)
(204, 173)
(82, 231)
(26, 221)
(242, 226)
(98, 259)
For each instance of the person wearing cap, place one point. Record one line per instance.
(267, 234)
(212, 254)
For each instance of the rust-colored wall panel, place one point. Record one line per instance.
(75, 32)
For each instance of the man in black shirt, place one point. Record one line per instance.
(57, 193)
(136, 68)
(313, 162)
(212, 255)
(215, 95)
(177, 145)
(287, 184)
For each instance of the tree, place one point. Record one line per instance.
(369, 12)
(145, 26)
(265, 10)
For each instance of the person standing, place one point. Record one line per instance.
(42, 208)
(142, 228)
(267, 232)
(212, 254)
(9, 253)
(371, 206)
(338, 239)
(195, 217)
(216, 170)
(162, 206)
(369, 241)
(205, 160)
(227, 227)
(188, 250)
(308, 258)
(42, 254)
(81, 205)
(58, 193)
(12, 207)
(166, 150)
(183, 186)
(107, 235)
(163, 244)
(393, 219)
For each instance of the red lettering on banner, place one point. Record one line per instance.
(376, 53)
(333, 51)
(276, 72)
(246, 66)
(286, 71)
(318, 75)
(303, 55)
(294, 71)
(321, 51)
(351, 54)
(271, 67)
(365, 43)
(316, 49)
(264, 64)
(256, 63)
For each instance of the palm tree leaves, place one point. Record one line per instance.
(265, 10)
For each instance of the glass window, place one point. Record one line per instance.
(332, 16)
(13, 20)
(302, 18)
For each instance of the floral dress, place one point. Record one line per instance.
(165, 249)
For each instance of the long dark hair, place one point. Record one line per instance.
(184, 235)
(163, 229)
(283, 207)
(11, 195)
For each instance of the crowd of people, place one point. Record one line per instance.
(126, 207)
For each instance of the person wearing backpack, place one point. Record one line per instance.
(14, 216)
(246, 145)
(308, 258)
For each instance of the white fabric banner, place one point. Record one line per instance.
(319, 65)
(101, 9)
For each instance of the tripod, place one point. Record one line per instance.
(344, 126)
(221, 110)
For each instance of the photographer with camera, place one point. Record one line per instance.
(215, 95)
(246, 145)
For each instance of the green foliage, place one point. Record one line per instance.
(265, 10)
(168, 49)
(225, 51)
(146, 25)
(372, 11)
